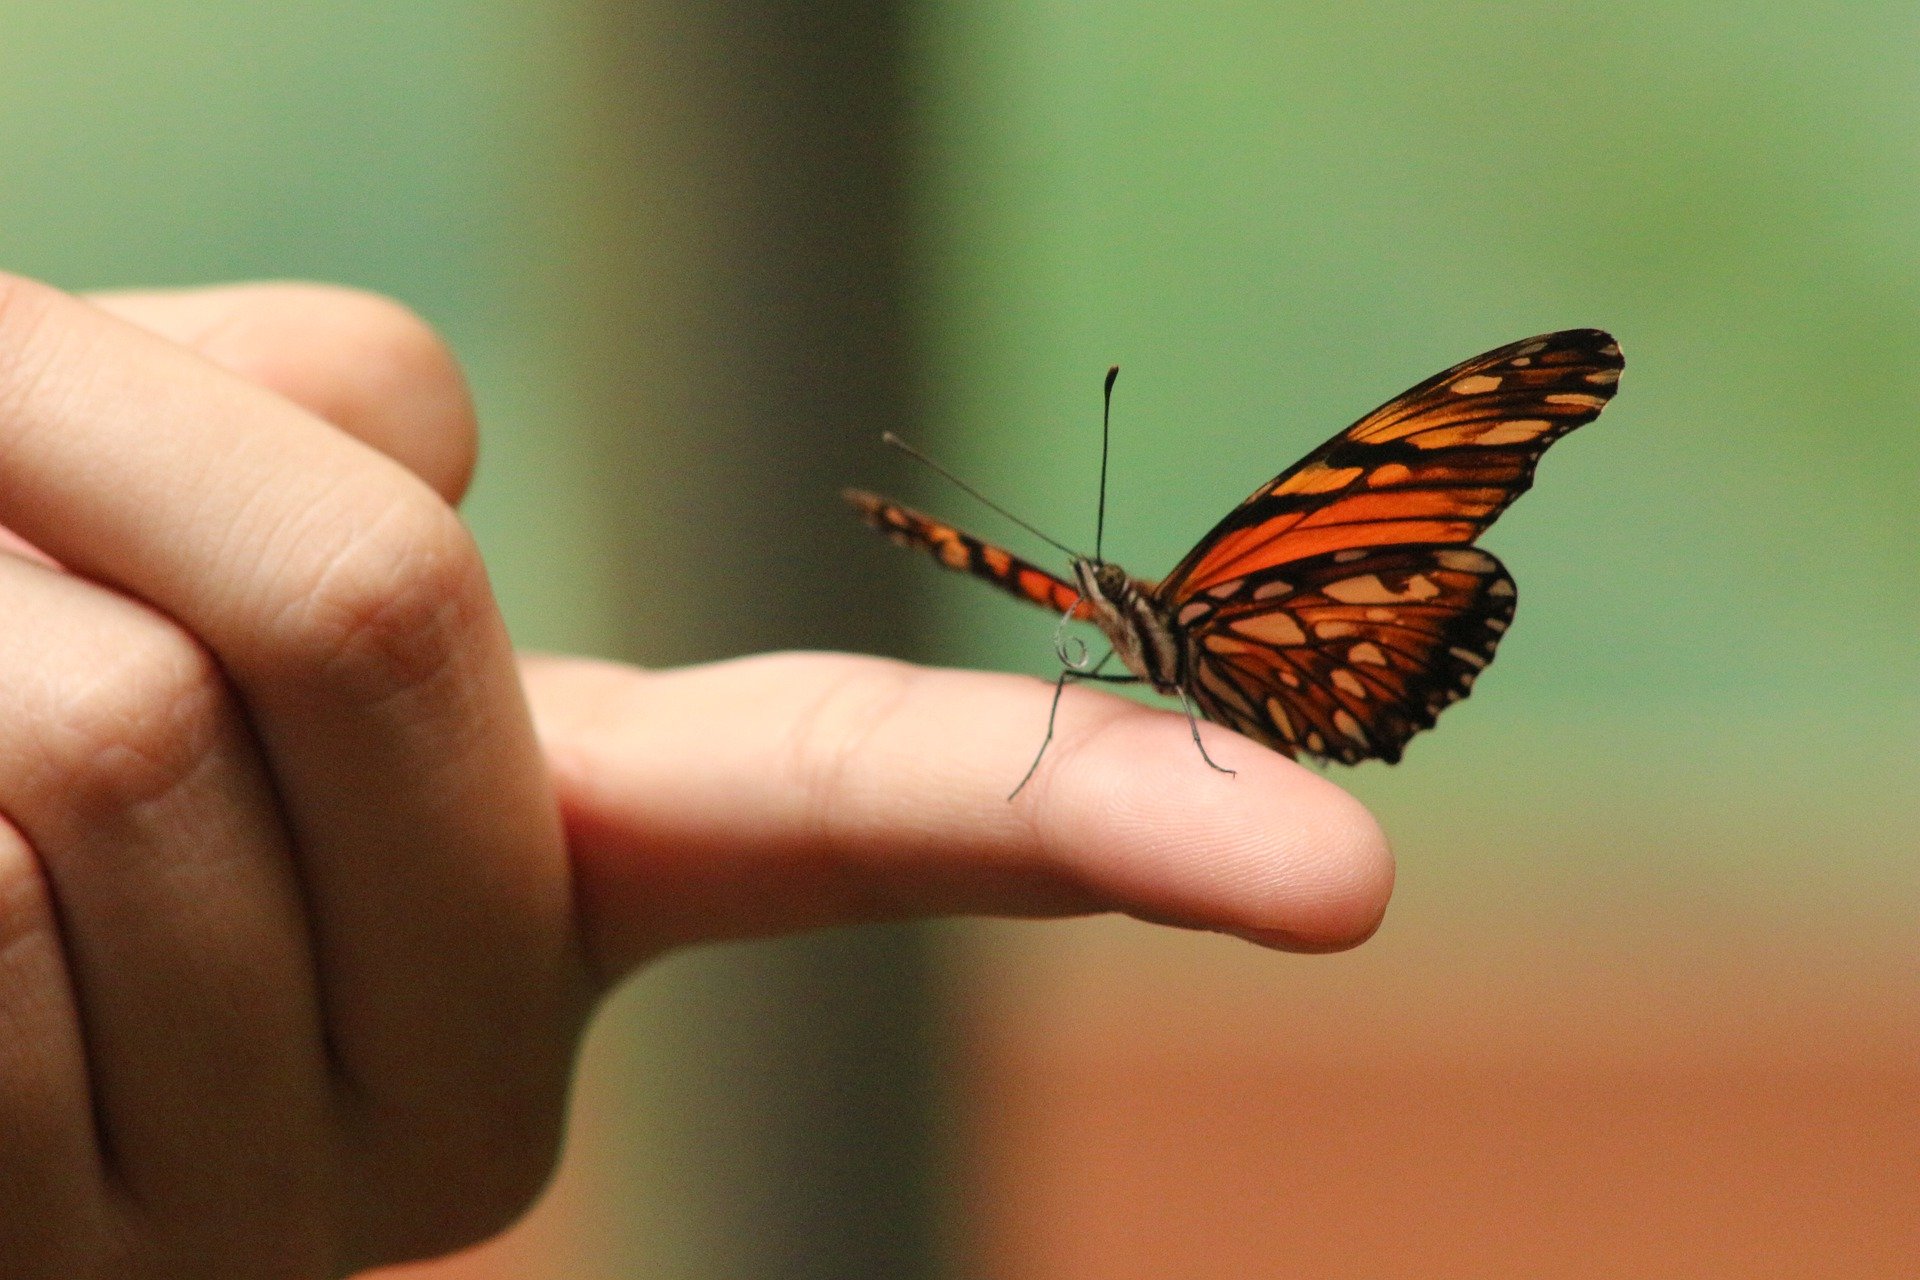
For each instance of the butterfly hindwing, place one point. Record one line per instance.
(1346, 656)
(965, 553)
(1435, 465)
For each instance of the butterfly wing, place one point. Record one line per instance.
(965, 553)
(1433, 466)
(1347, 655)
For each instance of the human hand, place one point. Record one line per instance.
(300, 921)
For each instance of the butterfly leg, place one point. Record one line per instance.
(1060, 687)
(1193, 723)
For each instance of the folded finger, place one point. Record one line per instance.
(362, 362)
(51, 1173)
(786, 792)
(132, 776)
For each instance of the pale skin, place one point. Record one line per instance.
(309, 883)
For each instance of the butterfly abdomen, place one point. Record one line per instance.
(964, 553)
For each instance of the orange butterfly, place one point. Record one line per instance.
(1339, 609)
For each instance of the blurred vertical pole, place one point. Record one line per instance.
(753, 335)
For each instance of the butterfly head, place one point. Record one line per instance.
(1132, 622)
(1102, 582)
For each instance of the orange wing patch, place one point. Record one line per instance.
(1320, 479)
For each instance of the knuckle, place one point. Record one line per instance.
(129, 730)
(387, 609)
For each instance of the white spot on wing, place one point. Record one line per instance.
(1464, 559)
(1271, 628)
(1369, 589)
(1515, 431)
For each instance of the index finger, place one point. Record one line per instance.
(789, 791)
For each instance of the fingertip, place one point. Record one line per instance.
(1273, 853)
(1338, 895)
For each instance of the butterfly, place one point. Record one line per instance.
(1340, 608)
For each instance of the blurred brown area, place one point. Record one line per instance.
(752, 305)
(767, 1109)
(1473, 1105)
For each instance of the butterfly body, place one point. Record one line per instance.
(1135, 623)
(1341, 607)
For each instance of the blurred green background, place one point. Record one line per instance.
(696, 258)
(1275, 216)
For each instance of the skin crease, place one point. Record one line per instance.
(309, 884)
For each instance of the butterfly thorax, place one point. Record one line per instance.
(1134, 623)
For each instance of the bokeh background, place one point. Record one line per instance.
(1646, 1000)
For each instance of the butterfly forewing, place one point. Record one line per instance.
(1435, 465)
(965, 553)
(1346, 656)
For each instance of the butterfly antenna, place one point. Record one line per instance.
(887, 437)
(1106, 417)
